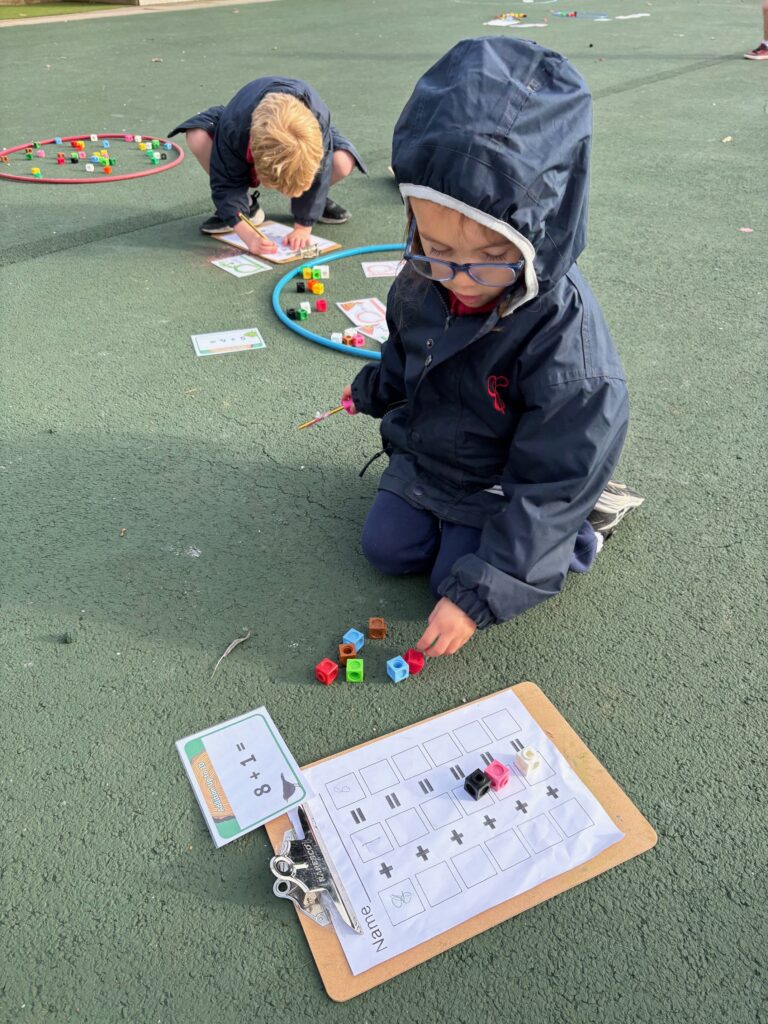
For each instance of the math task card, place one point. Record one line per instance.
(227, 341)
(368, 315)
(242, 774)
(418, 855)
(241, 266)
(383, 268)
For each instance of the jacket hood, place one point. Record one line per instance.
(500, 129)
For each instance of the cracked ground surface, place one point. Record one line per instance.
(115, 906)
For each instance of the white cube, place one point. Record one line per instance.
(528, 760)
(89, 167)
(306, 305)
(325, 271)
(137, 138)
(94, 138)
(336, 337)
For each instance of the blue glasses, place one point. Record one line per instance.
(491, 275)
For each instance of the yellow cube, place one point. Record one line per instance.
(306, 273)
(317, 288)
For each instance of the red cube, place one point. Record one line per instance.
(321, 305)
(326, 671)
(414, 660)
(498, 773)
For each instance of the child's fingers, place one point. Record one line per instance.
(428, 638)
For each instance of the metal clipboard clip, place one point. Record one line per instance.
(305, 875)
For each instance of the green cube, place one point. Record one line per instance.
(316, 274)
(301, 314)
(355, 670)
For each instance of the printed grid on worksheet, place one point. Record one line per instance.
(418, 855)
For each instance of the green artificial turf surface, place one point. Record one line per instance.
(115, 905)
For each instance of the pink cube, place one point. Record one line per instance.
(326, 671)
(415, 660)
(321, 305)
(498, 773)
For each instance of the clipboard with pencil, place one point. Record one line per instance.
(271, 231)
(393, 861)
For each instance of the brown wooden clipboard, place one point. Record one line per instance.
(241, 247)
(639, 836)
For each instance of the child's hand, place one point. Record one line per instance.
(298, 238)
(346, 400)
(448, 630)
(257, 245)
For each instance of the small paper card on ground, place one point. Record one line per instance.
(241, 266)
(383, 268)
(369, 315)
(510, 21)
(242, 774)
(379, 332)
(227, 341)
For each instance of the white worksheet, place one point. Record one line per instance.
(418, 855)
(275, 233)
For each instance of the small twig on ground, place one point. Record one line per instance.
(232, 646)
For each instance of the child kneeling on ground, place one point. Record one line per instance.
(277, 133)
(501, 394)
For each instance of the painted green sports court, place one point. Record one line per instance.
(115, 905)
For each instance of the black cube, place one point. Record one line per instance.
(477, 784)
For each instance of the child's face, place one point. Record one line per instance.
(449, 235)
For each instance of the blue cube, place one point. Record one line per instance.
(397, 669)
(105, 143)
(57, 140)
(167, 145)
(354, 636)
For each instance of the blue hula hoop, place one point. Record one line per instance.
(364, 353)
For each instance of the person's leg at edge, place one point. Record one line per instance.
(761, 52)
(399, 539)
(200, 146)
(457, 541)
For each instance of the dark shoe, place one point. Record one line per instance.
(215, 226)
(255, 212)
(761, 53)
(616, 501)
(334, 214)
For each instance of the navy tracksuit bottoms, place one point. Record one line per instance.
(399, 539)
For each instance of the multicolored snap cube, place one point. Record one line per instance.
(397, 669)
(354, 636)
(354, 669)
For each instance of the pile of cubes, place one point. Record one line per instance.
(398, 669)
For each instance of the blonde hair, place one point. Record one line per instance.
(286, 143)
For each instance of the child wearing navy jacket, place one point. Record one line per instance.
(502, 399)
(275, 132)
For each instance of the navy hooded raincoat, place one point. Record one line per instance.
(513, 421)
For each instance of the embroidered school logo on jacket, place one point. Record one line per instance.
(494, 383)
